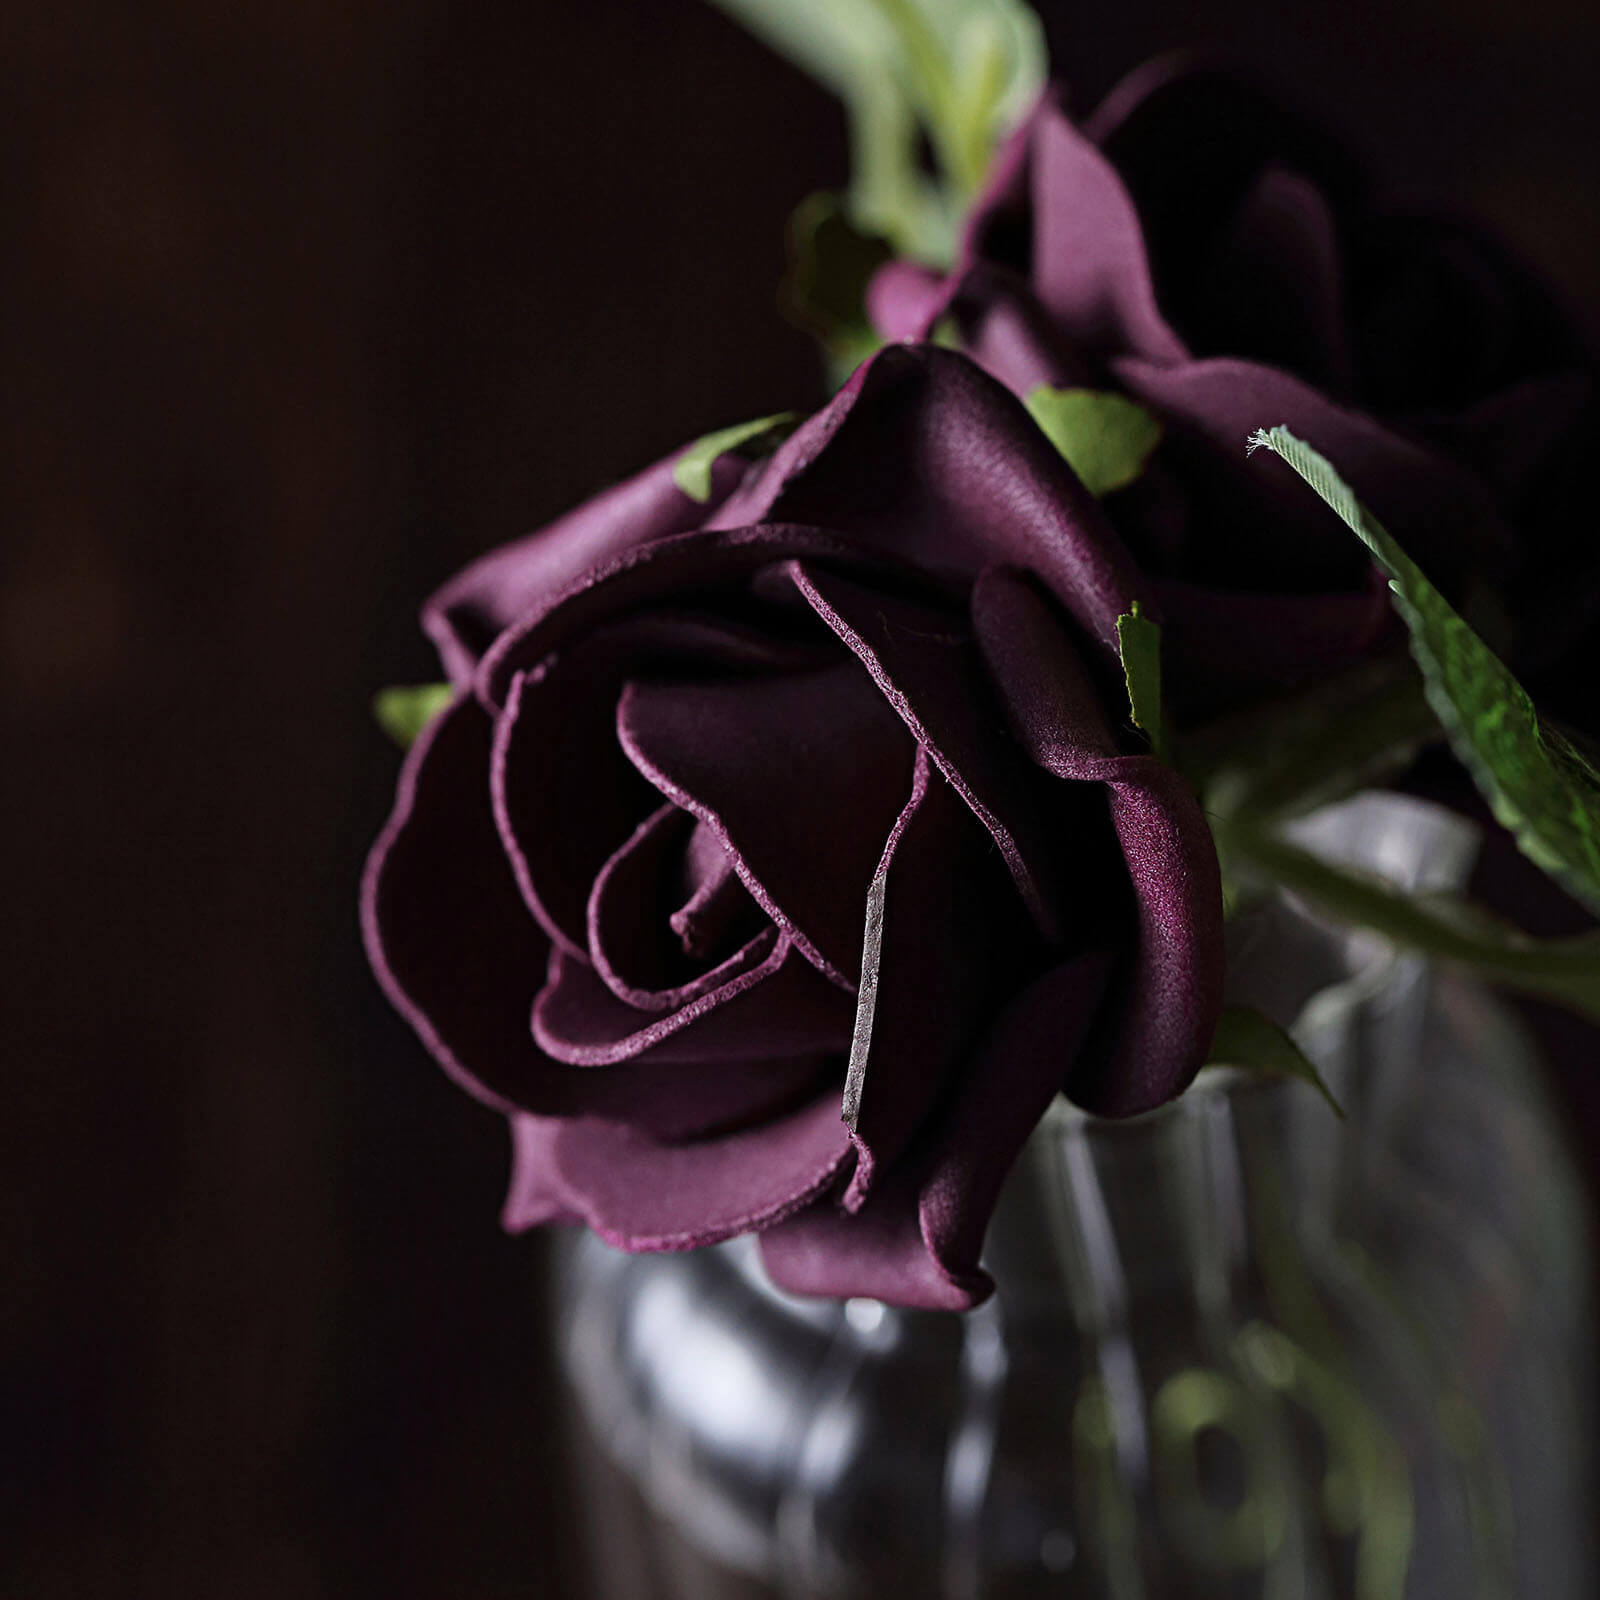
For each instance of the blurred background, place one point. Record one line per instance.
(304, 305)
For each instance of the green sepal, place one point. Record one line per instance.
(692, 471)
(1139, 640)
(1106, 438)
(1247, 1039)
(1539, 785)
(404, 710)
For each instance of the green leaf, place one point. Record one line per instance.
(958, 73)
(1245, 1038)
(1106, 438)
(1538, 783)
(1566, 971)
(1139, 640)
(692, 473)
(404, 710)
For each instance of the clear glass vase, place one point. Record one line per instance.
(1237, 1348)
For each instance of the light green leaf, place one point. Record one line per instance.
(1139, 640)
(960, 73)
(404, 710)
(692, 473)
(1245, 1038)
(1106, 438)
(1539, 785)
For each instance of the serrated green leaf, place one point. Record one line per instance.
(1538, 784)
(404, 710)
(692, 471)
(1245, 1038)
(1106, 438)
(1139, 640)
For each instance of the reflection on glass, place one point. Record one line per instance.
(1238, 1348)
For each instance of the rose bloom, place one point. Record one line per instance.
(822, 789)
(1225, 263)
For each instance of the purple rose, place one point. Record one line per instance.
(1224, 262)
(623, 891)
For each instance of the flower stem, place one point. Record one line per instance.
(1563, 970)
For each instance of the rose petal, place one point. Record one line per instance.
(952, 940)
(449, 940)
(924, 457)
(801, 777)
(1010, 335)
(461, 960)
(717, 898)
(1190, 144)
(1265, 530)
(631, 943)
(565, 796)
(904, 299)
(1223, 648)
(1171, 992)
(927, 667)
(999, 224)
(776, 1007)
(705, 574)
(671, 1100)
(917, 1240)
(641, 1195)
(536, 1194)
(1274, 288)
(466, 615)
(1090, 269)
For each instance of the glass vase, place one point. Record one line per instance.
(1238, 1347)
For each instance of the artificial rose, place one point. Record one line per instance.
(1222, 261)
(623, 891)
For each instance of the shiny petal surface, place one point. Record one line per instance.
(923, 457)
(1170, 992)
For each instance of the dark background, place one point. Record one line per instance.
(302, 305)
